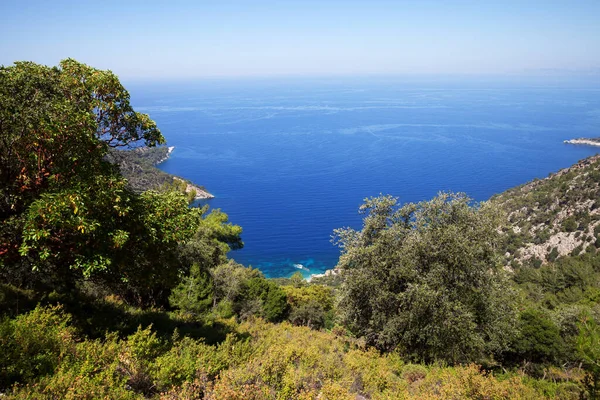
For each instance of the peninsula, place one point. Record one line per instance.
(138, 166)
(586, 141)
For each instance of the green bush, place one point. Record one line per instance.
(185, 361)
(195, 292)
(93, 371)
(309, 314)
(539, 339)
(273, 301)
(569, 224)
(553, 255)
(33, 344)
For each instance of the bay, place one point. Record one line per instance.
(290, 160)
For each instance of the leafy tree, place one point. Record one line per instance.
(230, 281)
(425, 278)
(274, 300)
(248, 292)
(538, 340)
(194, 293)
(309, 314)
(56, 125)
(310, 305)
(297, 280)
(588, 346)
(67, 214)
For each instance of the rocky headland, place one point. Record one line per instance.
(138, 166)
(585, 141)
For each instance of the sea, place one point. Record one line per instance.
(292, 159)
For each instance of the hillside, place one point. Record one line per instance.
(253, 360)
(138, 166)
(107, 292)
(555, 216)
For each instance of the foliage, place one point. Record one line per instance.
(138, 167)
(56, 125)
(538, 340)
(194, 293)
(33, 344)
(261, 360)
(63, 207)
(425, 278)
(588, 346)
(310, 305)
(67, 215)
(245, 292)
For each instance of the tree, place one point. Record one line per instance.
(425, 278)
(310, 305)
(56, 125)
(195, 292)
(246, 293)
(588, 348)
(66, 213)
(538, 340)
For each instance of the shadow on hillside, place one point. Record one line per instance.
(95, 317)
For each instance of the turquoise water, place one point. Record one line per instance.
(290, 161)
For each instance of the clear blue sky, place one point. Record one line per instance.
(202, 38)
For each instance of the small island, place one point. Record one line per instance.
(586, 141)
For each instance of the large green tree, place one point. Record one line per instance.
(66, 213)
(425, 278)
(56, 125)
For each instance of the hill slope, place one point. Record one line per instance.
(138, 166)
(555, 216)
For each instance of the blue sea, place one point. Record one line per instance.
(291, 160)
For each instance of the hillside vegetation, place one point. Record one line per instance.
(555, 216)
(138, 166)
(109, 290)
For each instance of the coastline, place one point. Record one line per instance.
(330, 272)
(584, 141)
(201, 194)
(166, 157)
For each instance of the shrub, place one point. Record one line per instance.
(92, 372)
(576, 251)
(309, 314)
(195, 292)
(569, 224)
(553, 255)
(539, 338)
(135, 359)
(414, 372)
(187, 360)
(33, 344)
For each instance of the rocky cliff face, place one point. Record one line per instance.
(555, 216)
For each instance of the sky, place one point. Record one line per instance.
(182, 39)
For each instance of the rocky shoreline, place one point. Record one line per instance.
(330, 272)
(585, 141)
(201, 193)
(166, 157)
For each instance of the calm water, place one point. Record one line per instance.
(291, 161)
